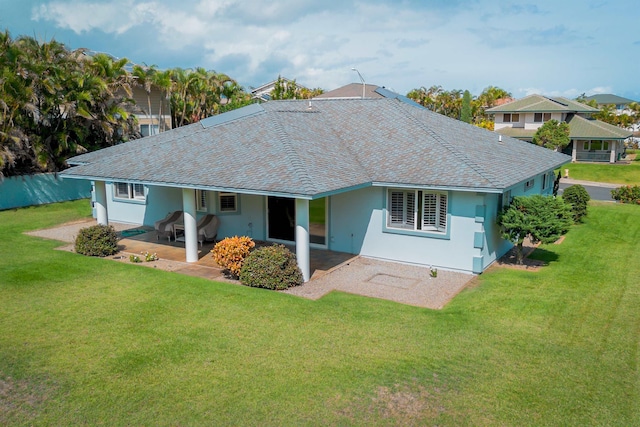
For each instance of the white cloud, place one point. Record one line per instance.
(403, 45)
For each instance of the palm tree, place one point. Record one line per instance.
(162, 81)
(146, 78)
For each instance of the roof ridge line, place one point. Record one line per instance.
(466, 159)
(293, 157)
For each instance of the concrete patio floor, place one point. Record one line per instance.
(402, 283)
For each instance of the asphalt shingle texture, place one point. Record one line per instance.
(307, 149)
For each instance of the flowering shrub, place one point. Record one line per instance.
(627, 194)
(148, 256)
(134, 258)
(271, 267)
(230, 253)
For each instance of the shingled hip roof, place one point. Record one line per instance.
(312, 149)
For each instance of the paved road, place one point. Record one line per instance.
(596, 190)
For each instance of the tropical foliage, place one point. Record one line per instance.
(608, 113)
(289, 89)
(451, 103)
(56, 103)
(230, 253)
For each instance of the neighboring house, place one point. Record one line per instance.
(155, 120)
(352, 90)
(381, 177)
(621, 104)
(591, 140)
(263, 93)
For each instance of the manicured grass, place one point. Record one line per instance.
(605, 172)
(91, 341)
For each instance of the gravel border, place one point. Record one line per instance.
(403, 283)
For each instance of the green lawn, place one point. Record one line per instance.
(95, 342)
(605, 172)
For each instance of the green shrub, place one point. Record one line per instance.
(97, 240)
(271, 267)
(578, 197)
(627, 194)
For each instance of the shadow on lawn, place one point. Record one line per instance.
(544, 255)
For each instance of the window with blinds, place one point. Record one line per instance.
(417, 210)
(201, 200)
(125, 190)
(228, 202)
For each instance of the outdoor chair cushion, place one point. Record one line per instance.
(164, 227)
(207, 228)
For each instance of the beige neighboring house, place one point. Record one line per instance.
(155, 120)
(591, 140)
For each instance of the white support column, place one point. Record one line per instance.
(190, 228)
(574, 151)
(614, 146)
(302, 237)
(101, 202)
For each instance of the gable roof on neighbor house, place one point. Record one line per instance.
(263, 93)
(608, 98)
(579, 128)
(311, 149)
(352, 90)
(542, 104)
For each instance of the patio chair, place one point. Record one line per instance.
(164, 227)
(207, 228)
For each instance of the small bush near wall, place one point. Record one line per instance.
(271, 267)
(230, 253)
(627, 194)
(578, 197)
(97, 240)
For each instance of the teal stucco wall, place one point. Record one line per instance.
(40, 189)
(358, 226)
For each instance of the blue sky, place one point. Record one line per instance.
(551, 47)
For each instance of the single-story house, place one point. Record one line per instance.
(590, 140)
(381, 177)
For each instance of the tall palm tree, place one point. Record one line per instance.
(145, 76)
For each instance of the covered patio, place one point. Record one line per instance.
(137, 240)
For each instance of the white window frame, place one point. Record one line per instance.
(511, 118)
(222, 205)
(417, 210)
(529, 184)
(544, 117)
(201, 201)
(150, 129)
(129, 191)
(604, 145)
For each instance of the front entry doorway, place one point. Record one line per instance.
(281, 213)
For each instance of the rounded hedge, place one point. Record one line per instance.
(578, 197)
(97, 240)
(271, 267)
